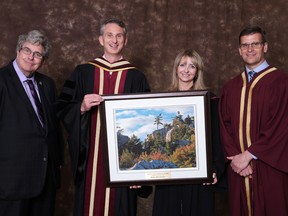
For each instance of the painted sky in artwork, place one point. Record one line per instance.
(140, 122)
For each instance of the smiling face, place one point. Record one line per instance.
(253, 56)
(186, 72)
(29, 63)
(113, 40)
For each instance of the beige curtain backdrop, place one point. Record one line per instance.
(158, 30)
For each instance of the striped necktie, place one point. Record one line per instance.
(251, 74)
(37, 101)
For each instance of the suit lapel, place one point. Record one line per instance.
(20, 90)
(22, 93)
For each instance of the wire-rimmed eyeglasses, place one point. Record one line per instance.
(28, 51)
(254, 45)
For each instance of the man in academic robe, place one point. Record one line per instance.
(253, 122)
(31, 145)
(78, 108)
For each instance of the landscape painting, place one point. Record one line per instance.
(156, 137)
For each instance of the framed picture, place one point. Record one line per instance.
(156, 138)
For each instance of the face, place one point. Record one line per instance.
(186, 70)
(113, 39)
(29, 63)
(253, 56)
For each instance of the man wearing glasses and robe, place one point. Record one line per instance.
(253, 123)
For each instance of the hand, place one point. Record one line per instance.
(135, 186)
(214, 176)
(248, 171)
(240, 162)
(89, 101)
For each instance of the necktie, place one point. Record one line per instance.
(251, 74)
(37, 101)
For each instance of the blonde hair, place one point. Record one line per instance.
(198, 83)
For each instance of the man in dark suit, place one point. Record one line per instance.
(30, 137)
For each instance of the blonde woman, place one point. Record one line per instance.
(187, 72)
(191, 199)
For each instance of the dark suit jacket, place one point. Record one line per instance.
(27, 150)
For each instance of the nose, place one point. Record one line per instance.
(31, 55)
(250, 47)
(114, 38)
(187, 68)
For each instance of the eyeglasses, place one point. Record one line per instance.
(254, 45)
(28, 51)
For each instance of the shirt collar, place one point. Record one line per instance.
(21, 76)
(121, 57)
(259, 68)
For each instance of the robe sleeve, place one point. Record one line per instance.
(68, 110)
(136, 82)
(271, 146)
(226, 127)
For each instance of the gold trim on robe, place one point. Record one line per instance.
(112, 67)
(248, 123)
(97, 139)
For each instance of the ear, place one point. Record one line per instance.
(240, 52)
(126, 40)
(18, 52)
(265, 47)
(101, 40)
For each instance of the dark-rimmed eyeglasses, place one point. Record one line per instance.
(28, 51)
(254, 45)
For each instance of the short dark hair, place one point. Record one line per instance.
(116, 21)
(252, 29)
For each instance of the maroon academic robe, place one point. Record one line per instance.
(92, 197)
(254, 117)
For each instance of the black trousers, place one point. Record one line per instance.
(42, 205)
